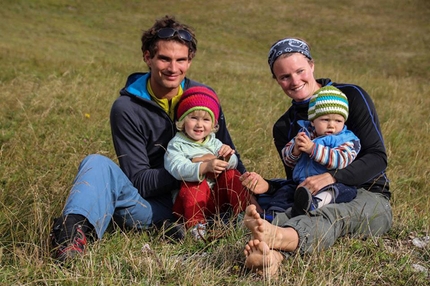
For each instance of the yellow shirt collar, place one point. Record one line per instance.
(167, 105)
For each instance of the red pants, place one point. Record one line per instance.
(196, 200)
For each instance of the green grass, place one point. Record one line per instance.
(63, 63)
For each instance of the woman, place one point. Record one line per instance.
(369, 213)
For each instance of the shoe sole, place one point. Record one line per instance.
(302, 200)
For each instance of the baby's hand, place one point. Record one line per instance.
(296, 149)
(304, 143)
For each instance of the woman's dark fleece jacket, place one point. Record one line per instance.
(141, 130)
(368, 169)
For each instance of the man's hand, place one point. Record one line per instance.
(254, 182)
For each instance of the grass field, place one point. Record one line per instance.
(63, 63)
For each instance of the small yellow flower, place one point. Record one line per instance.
(87, 115)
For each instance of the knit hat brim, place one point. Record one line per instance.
(198, 108)
(328, 100)
(198, 98)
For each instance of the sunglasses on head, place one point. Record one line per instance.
(165, 33)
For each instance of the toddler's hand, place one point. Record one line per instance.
(225, 153)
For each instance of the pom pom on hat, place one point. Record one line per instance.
(198, 98)
(328, 100)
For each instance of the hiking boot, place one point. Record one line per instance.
(73, 249)
(304, 201)
(68, 237)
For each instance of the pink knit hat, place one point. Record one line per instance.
(198, 98)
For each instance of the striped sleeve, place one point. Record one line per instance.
(335, 158)
(287, 155)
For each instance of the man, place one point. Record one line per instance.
(138, 194)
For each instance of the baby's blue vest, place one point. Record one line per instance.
(305, 166)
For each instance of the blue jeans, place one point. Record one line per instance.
(101, 191)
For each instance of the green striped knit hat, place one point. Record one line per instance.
(328, 100)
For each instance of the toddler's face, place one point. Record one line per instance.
(197, 125)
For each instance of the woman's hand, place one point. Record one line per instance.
(317, 182)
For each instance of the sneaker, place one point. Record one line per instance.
(68, 238)
(198, 231)
(304, 201)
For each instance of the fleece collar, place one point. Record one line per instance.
(138, 87)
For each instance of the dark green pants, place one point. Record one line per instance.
(369, 214)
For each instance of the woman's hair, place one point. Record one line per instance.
(180, 124)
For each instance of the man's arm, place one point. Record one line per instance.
(141, 156)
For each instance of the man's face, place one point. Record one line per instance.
(168, 67)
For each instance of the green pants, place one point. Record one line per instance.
(369, 214)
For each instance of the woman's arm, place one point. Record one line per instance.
(369, 166)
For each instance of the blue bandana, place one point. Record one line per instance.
(288, 45)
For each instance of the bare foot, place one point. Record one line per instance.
(251, 217)
(275, 237)
(261, 259)
(260, 229)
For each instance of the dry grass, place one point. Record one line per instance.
(63, 63)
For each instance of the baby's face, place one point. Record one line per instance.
(328, 124)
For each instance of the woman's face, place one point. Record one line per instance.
(295, 75)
